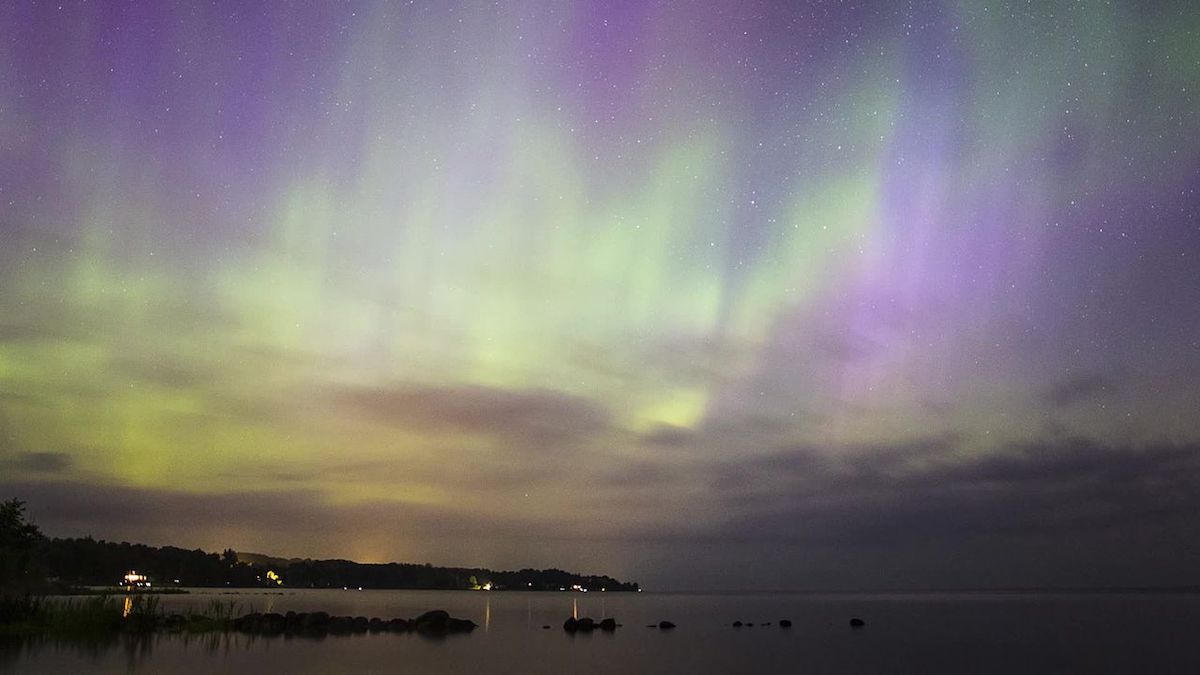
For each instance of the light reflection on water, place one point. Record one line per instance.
(926, 633)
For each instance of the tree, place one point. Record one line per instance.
(20, 542)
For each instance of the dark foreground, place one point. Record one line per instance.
(102, 617)
(928, 633)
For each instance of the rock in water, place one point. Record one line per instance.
(857, 622)
(737, 624)
(609, 625)
(314, 621)
(785, 623)
(272, 622)
(570, 625)
(439, 622)
(433, 615)
(433, 621)
(665, 625)
(248, 622)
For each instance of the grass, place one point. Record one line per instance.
(98, 616)
(224, 611)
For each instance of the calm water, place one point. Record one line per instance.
(925, 633)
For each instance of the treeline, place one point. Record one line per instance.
(348, 574)
(90, 561)
(31, 561)
(95, 562)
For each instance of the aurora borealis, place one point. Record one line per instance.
(769, 294)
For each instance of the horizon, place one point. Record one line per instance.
(835, 295)
(685, 591)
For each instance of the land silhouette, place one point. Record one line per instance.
(31, 562)
(33, 566)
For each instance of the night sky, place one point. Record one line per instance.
(703, 294)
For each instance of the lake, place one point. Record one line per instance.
(925, 633)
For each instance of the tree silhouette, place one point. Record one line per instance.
(20, 543)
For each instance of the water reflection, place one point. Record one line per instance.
(136, 649)
(95, 648)
(932, 633)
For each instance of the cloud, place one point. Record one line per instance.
(1063, 511)
(1068, 512)
(16, 332)
(170, 516)
(1079, 388)
(173, 374)
(37, 462)
(925, 492)
(304, 523)
(538, 417)
(668, 435)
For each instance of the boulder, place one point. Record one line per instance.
(737, 624)
(247, 623)
(361, 624)
(857, 622)
(376, 625)
(257, 622)
(399, 626)
(273, 623)
(571, 624)
(439, 622)
(665, 625)
(316, 622)
(586, 624)
(785, 623)
(433, 615)
(609, 624)
(174, 622)
(433, 621)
